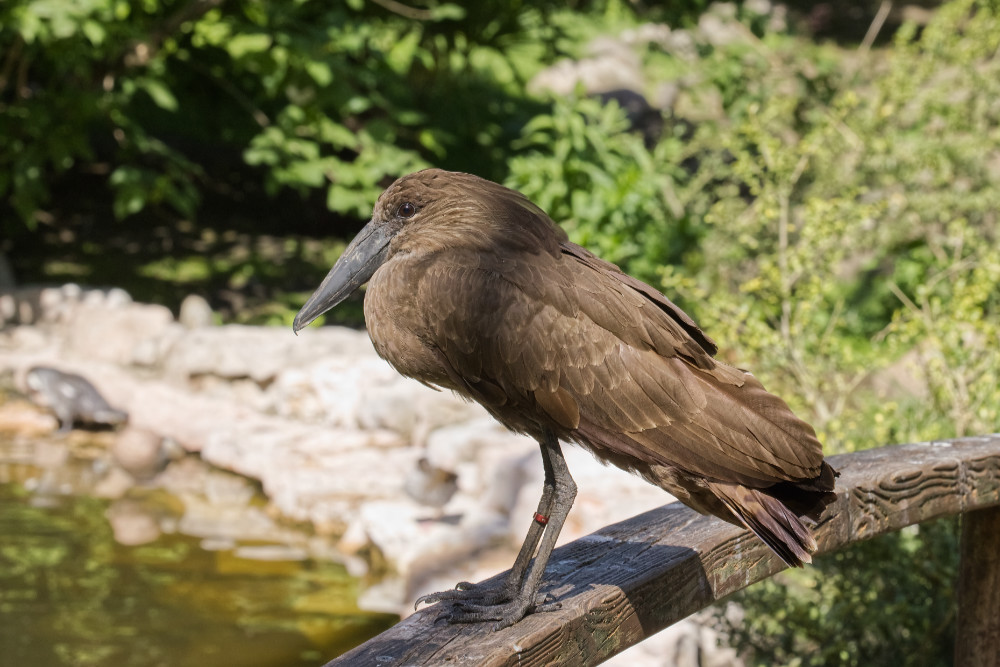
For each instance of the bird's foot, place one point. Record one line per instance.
(477, 603)
(464, 591)
(505, 614)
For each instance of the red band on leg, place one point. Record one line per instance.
(541, 518)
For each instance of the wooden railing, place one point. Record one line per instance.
(631, 579)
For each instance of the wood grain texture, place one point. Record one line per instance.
(631, 579)
(977, 640)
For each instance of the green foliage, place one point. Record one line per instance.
(624, 202)
(890, 601)
(950, 326)
(71, 92)
(341, 97)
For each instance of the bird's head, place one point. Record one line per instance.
(430, 211)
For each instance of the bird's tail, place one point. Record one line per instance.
(770, 520)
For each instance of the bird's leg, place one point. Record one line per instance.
(506, 592)
(525, 599)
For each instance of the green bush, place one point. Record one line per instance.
(628, 204)
(890, 601)
(341, 97)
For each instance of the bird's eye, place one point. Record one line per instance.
(406, 210)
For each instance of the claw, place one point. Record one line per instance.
(467, 592)
(505, 615)
(476, 603)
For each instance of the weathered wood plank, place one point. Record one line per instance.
(977, 641)
(631, 579)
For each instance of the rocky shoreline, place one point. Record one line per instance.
(329, 432)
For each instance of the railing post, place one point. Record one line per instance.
(977, 635)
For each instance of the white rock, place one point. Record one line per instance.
(457, 443)
(271, 552)
(195, 312)
(259, 353)
(99, 333)
(612, 64)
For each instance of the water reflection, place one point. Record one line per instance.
(189, 570)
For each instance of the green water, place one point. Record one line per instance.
(71, 595)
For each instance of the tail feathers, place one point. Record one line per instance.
(770, 520)
(807, 498)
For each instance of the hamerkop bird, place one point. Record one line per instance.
(475, 289)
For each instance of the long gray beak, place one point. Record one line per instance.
(355, 267)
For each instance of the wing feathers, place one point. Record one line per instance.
(567, 338)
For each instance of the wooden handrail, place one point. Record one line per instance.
(631, 579)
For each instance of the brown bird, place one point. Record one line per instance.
(473, 288)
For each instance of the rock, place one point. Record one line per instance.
(32, 305)
(681, 44)
(417, 549)
(118, 335)
(113, 485)
(611, 65)
(474, 440)
(26, 340)
(646, 34)
(140, 452)
(217, 544)
(719, 26)
(19, 416)
(195, 313)
(235, 351)
(328, 388)
(308, 492)
(384, 596)
(411, 409)
(271, 552)
(8, 309)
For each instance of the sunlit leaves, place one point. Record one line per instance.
(583, 166)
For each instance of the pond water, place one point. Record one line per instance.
(72, 593)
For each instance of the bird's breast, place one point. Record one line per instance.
(396, 318)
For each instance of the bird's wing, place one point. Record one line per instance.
(574, 345)
(679, 316)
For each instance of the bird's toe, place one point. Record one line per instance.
(504, 614)
(466, 592)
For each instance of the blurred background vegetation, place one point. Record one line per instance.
(816, 184)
